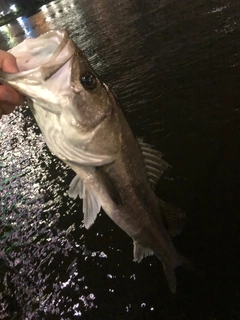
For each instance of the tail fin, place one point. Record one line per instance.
(169, 271)
(171, 278)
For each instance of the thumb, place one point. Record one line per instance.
(8, 62)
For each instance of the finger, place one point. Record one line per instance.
(9, 95)
(6, 108)
(8, 62)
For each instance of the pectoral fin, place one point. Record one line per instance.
(91, 208)
(76, 188)
(140, 252)
(91, 204)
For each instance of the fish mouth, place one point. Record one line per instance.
(48, 59)
(39, 60)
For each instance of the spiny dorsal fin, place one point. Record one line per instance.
(91, 205)
(174, 218)
(140, 252)
(155, 165)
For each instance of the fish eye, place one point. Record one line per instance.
(89, 81)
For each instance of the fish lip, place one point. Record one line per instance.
(50, 67)
(24, 80)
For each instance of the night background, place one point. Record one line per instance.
(10, 10)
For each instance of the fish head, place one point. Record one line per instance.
(57, 75)
(70, 104)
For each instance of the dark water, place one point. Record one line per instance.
(175, 67)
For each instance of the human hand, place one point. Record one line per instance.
(9, 98)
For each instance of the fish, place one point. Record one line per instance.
(84, 125)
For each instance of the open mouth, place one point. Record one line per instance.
(45, 65)
(37, 52)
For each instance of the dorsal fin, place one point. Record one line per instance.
(155, 165)
(174, 218)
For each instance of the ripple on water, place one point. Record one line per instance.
(39, 263)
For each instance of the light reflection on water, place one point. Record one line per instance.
(31, 244)
(26, 27)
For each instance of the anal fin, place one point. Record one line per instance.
(140, 252)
